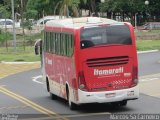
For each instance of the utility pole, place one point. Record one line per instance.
(14, 30)
(22, 20)
(135, 21)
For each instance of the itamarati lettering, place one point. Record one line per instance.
(108, 71)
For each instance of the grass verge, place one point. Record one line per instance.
(28, 55)
(20, 54)
(143, 45)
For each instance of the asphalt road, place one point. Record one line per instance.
(19, 94)
(149, 63)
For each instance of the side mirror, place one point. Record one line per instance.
(38, 47)
(36, 50)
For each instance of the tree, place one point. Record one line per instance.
(40, 7)
(153, 9)
(91, 5)
(67, 8)
(4, 14)
(122, 8)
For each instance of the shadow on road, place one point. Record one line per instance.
(95, 107)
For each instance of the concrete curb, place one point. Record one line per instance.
(149, 51)
(3, 62)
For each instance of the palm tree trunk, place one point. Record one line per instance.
(93, 7)
(22, 17)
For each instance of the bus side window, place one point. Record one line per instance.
(62, 50)
(66, 44)
(69, 45)
(51, 41)
(72, 45)
(56, 50)
(58, 44)
(46, 41)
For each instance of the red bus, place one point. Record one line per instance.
(90, 60)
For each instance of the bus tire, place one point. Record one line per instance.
(72, 105)
(123, 103)
(53, 97)
(120, 103)
(47, 85)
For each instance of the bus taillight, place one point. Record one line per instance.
(81, 81)
(134, 76)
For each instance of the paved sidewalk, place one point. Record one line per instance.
(7, 69)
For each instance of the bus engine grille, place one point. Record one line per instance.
(107, 61)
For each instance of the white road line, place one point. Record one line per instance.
(147, 80)
(35, 79)
(152, 75)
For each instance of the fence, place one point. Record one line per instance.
(27, 40)
(148, 35)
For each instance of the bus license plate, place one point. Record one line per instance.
(108, 95)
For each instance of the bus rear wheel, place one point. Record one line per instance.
(120, 104)
(53, 97)
(72, 105)
(123, 103)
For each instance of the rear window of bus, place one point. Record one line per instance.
(105, 35)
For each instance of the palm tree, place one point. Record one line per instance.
(91, 6)
(67, 6)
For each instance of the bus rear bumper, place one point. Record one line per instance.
(109, 96)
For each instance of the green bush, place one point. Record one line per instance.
(5, 36)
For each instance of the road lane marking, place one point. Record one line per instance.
(37, 118)
(35, 79)
(30, 103)
(13, 107)
(151, 75)
(155, 94)
(88, 114)
(71, 116)
(148, 80)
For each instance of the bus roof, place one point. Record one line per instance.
(76, 23)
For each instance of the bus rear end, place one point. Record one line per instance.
(107, 64)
